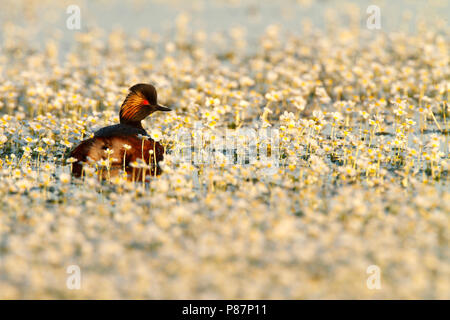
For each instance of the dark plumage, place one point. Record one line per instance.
(140, 102)
(120, 129)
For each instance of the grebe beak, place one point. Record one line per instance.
(162, 108)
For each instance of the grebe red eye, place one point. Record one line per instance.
(145, 102)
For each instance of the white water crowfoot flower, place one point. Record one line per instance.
(214, 102)
(3, 139)
(299, 103)
(64, 178)
(264, 120)
(323, 95)
(156, 135)
(274, 96)
(108, 151)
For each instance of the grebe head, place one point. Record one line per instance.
(140, 102)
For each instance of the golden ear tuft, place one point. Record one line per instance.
(134, 108)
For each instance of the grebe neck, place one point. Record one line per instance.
(135, 124)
